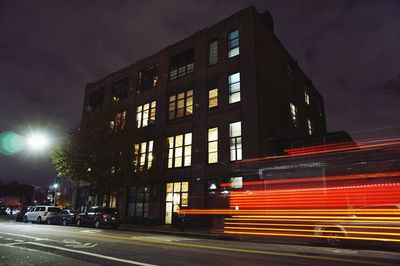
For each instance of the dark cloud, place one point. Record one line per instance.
(50, 49)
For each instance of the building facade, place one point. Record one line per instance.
(198, 107)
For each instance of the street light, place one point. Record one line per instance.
(38, 141)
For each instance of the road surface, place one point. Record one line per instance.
(42, 244)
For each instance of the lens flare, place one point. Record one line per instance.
(10, 143)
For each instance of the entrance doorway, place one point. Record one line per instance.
(177, 195)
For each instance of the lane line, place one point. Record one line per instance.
(30, 237)
(264, 252)
(92, 254)
(134, 238)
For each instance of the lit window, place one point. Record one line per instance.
(293, 113)
(306, 96)
(146, 114)
(233, 43)
(143, 156)
(309, 126)
(290, 75)
(180, 105)
(213, 98)
(213, 52)
(179, 150)
(118, 123)
(235, 139)
(234, 87)
(213, 145)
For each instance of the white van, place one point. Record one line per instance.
(40, 214)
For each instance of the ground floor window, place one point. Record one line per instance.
(113, 199)
(138, 201)
(177, 196)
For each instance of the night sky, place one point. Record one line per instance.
(49, 50)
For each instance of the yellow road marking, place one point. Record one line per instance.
(284, 254)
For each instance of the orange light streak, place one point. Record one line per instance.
(318, 179)
(309, 236)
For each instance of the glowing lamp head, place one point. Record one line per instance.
(38, 141)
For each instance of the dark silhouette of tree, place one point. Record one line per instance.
(97, 153)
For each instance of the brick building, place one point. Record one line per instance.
(197, 107)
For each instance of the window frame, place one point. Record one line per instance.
(310, 127)
(151, 114)
(183, 102)
(142, 80)
(179, 153)
(210, 142)
(213, 46)
(233, 47)
(293, 114)
(212, 99)
(181, 64)
(143, 159)
(235, 142)
(119, 90)
(306, 96)
(231, 86)
(118, 123)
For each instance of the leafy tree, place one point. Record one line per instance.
(97, 153)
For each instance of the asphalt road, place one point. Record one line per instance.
(42, 244)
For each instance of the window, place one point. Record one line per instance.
(306, 97)
(290, 76)
(177, 196)
(179, 150)
(234, 87)
(235, 140)
(236, 182)
(138, 201)
(213, 145)
(293, 113)
(120, 90)
(118, 123)
(146, 114)
(143, 156)
(181, 65)
(213, 52)
(94, 99)
(213, 98)
(309, 126)
(148, 78)
(233, 43)
(180, 105)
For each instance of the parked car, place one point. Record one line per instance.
(99, 217)
(41, 214)
(372, 223)
(64, 217)
(21, 213)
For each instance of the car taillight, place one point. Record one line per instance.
(45, 213)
